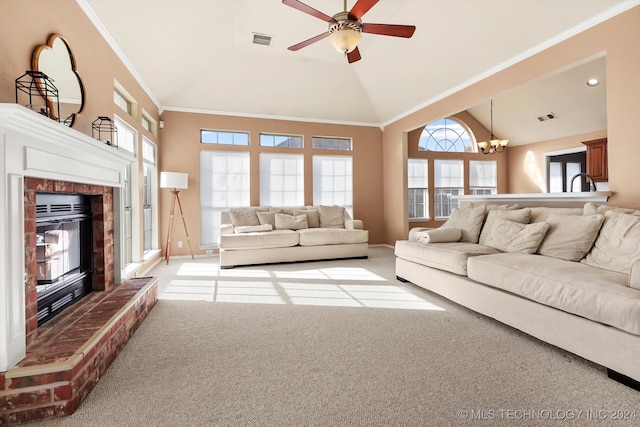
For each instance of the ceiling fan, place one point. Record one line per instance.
(346, 28)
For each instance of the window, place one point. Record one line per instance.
(333, 181)
(280, 141)
(418, 184)
(148, 123)
(483, 178)
(149, 178)
(127, 138)
(448, 181)
(224, 137)
(447, 135)
(224, 183)
(321, 143)
(281, 179)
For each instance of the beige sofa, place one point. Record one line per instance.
(262, 235)
(568, 276)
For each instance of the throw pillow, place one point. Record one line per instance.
(268, 217)
(594, 208)
(617, 247)
(252, 228)
(243, 216)
(331, 216)
(570, 237)
(313, 217)
(290, 222)
(468, 220)
(439, 235)
(518, 215)
(511, 236)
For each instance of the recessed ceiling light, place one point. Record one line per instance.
(593, 82)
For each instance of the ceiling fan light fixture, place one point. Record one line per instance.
(345, 37)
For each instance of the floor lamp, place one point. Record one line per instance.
(178, 181)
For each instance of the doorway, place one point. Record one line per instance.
(562, 168)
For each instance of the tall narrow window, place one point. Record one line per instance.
(149, 177)
(127, 141)
(224, 183)
(483, 178)
(418, 184)
(333, 181)
(448, 181)
(281, 179)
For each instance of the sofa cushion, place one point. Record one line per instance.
(541, 213)
(332, 236)
(313, 218)
(512, 236)
(290, 222)
(517, 215)
(570, 237)
(439, 235)
(634, 275)
(253, 228)
(243, 216)
(331, 216)
(451, 257)
(468, 220)
(596, 294)
(618, 244)
(595, 208)
(261, 240)
(268, 217)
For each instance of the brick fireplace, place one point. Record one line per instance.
(47, 370)
(102, 224)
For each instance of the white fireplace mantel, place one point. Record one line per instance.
(32, 145)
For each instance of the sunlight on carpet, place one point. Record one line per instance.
(331, 286)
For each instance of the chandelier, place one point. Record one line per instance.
(494, 145)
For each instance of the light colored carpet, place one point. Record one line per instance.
(338, 343)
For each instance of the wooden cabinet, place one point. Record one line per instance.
(597, 159)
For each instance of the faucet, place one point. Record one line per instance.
(592, 183)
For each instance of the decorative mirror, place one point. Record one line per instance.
(55, 59)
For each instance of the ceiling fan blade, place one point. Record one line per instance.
(405, 31)
(308, 9)
(308, 42)
(360, 8)
(354, 55)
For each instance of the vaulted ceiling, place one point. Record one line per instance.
(199, 55)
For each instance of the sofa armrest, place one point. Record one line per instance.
(226, 229)
(413, 231)
(634, 275)
(353, 224)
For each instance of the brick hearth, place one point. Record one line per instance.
(72, 351)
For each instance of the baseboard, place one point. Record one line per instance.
(623, 379)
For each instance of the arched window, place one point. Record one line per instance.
(446, 135)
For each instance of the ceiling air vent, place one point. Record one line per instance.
(546, 117)
(262, 39)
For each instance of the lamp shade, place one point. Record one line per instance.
(345, 39)
(175, 180)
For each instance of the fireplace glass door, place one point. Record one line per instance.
(63, 251)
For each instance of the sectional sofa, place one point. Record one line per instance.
(262, 235)
(568, 276)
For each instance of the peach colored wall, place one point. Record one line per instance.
(529, 161)
(617, 37)
(27, 24)
(181, 152)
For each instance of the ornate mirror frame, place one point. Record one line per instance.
(56, 60)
